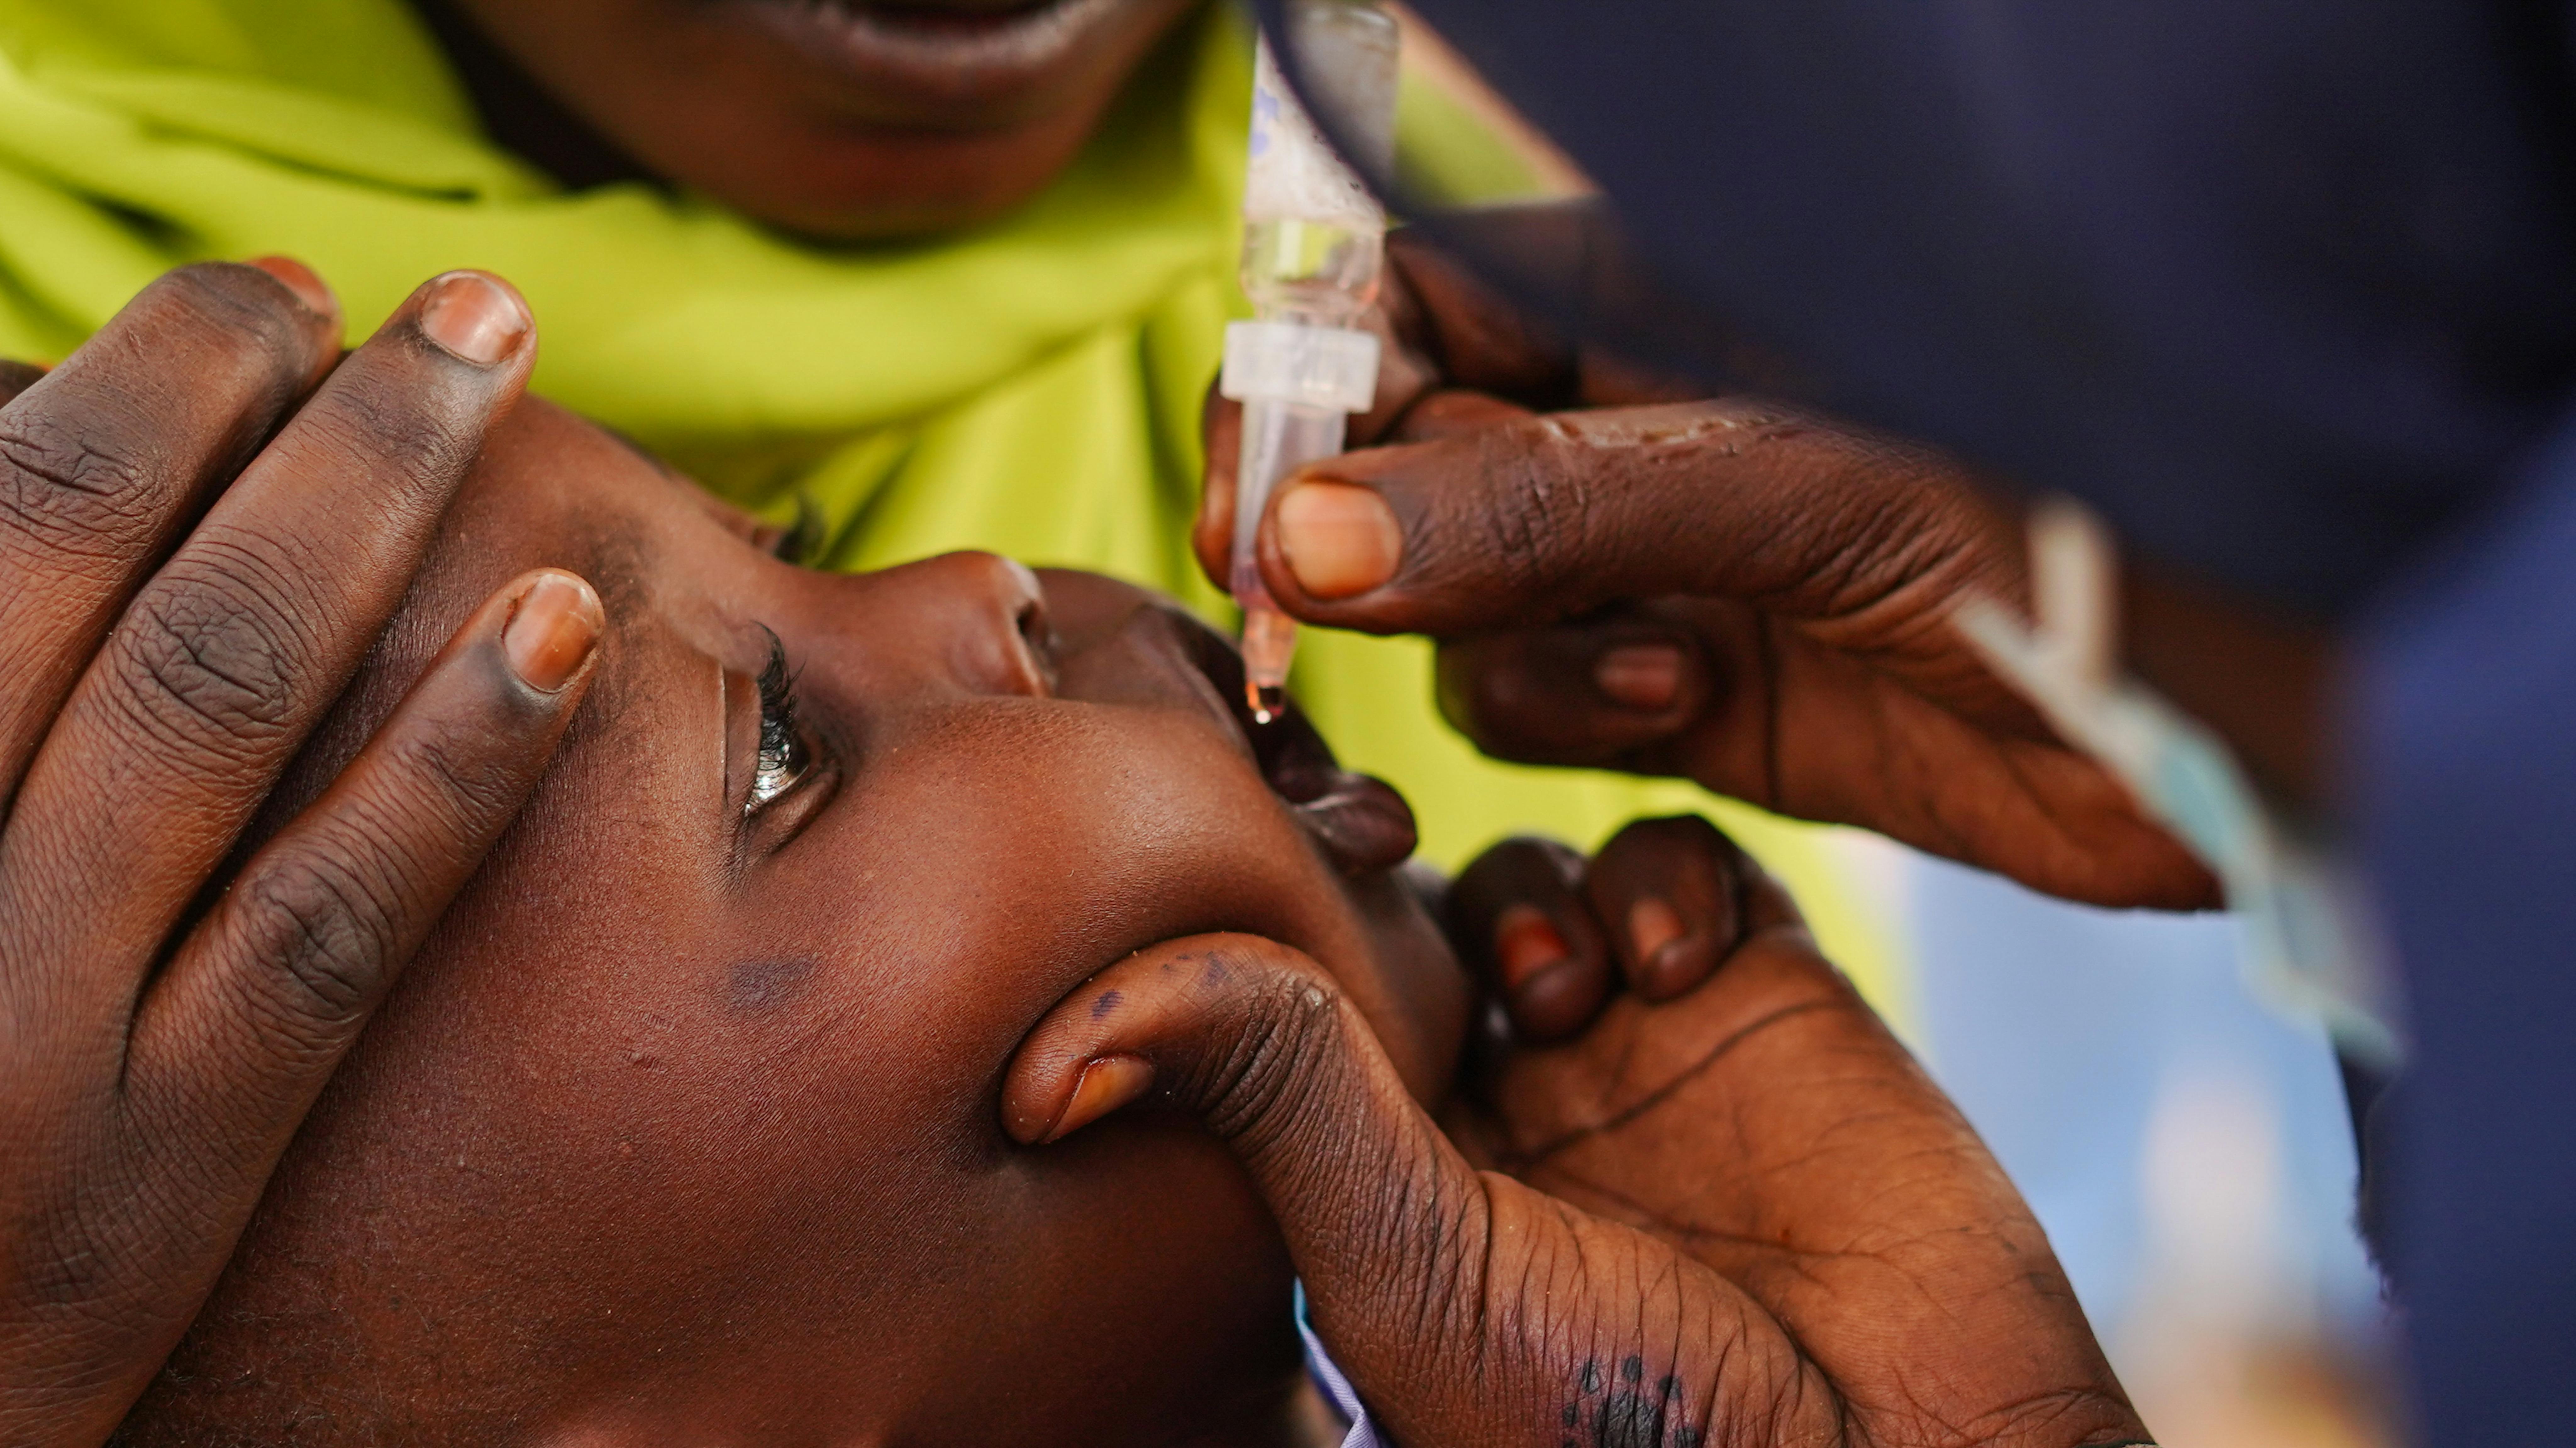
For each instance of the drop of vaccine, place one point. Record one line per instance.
(1269, 702)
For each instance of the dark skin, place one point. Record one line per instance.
(870, 140)
(717, 1030)
(689, 1108)
(1740, 592)
(167, 643)
(1738, 1216)
(844, 121)
(787, 987)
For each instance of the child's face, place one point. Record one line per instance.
(842, 118)
(684, 1128)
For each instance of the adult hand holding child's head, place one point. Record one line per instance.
(1740, 1214)
(209, 516)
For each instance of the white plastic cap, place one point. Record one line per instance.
(1331, 367)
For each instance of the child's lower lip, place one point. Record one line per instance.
(1362, 823)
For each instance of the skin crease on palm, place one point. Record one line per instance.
(682, 1127)
(836, 118)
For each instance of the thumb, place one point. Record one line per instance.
(1260, 1043)
(1466, 1308)
(1543, 519)
(17, 377)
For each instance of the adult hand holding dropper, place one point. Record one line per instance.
(1313, 247)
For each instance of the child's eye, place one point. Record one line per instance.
(784, 757)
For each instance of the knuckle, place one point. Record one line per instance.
(1537, 514)
(2031, 1419)
(91, 469)
(208, 659)
(71, 1262)
(85, 487)
(394, 422)
(1273, 1059)
(239, 310)
(470, 785)
(323, 931)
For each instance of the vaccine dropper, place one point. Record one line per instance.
(1314, 240)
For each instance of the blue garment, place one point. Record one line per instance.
(2276, 285)
(2468, 803)
(1336, 1387)
(2285, 289)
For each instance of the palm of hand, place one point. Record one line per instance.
(1762, 1150)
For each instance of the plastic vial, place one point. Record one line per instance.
(1314, 240)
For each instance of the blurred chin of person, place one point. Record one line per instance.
(830, 118)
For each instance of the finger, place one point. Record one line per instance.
(1434, 415)
(1464, 1307)
(1212, 534)
(1453, 413)
(1408, 372)
(1671, 895)
(17, 377)
(1595, 693)
(256, 1009)
(1544, 520)
(107, 458)
(1517, 921)
(1472, 334)
(1403, 392)
(1381, 1214)
(229, 655)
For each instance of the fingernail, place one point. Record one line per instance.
(1643, 677)
(1668, 962)
(474, 317)
(1652, 925)
(1107, 1084)
(1554, 1001)
(1339, 539)
(552, 629)
(299, 278)
(1525, 943)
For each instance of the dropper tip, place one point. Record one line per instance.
(1268, 701)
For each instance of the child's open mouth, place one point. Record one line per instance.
(1362, 822)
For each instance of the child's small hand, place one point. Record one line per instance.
(1739, 1215)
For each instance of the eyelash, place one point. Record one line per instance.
(783, 758)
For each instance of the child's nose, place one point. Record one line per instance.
(1005, 643)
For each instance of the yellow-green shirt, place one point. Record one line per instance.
(1031, 386)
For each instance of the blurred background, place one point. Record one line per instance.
(2186, 1147)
